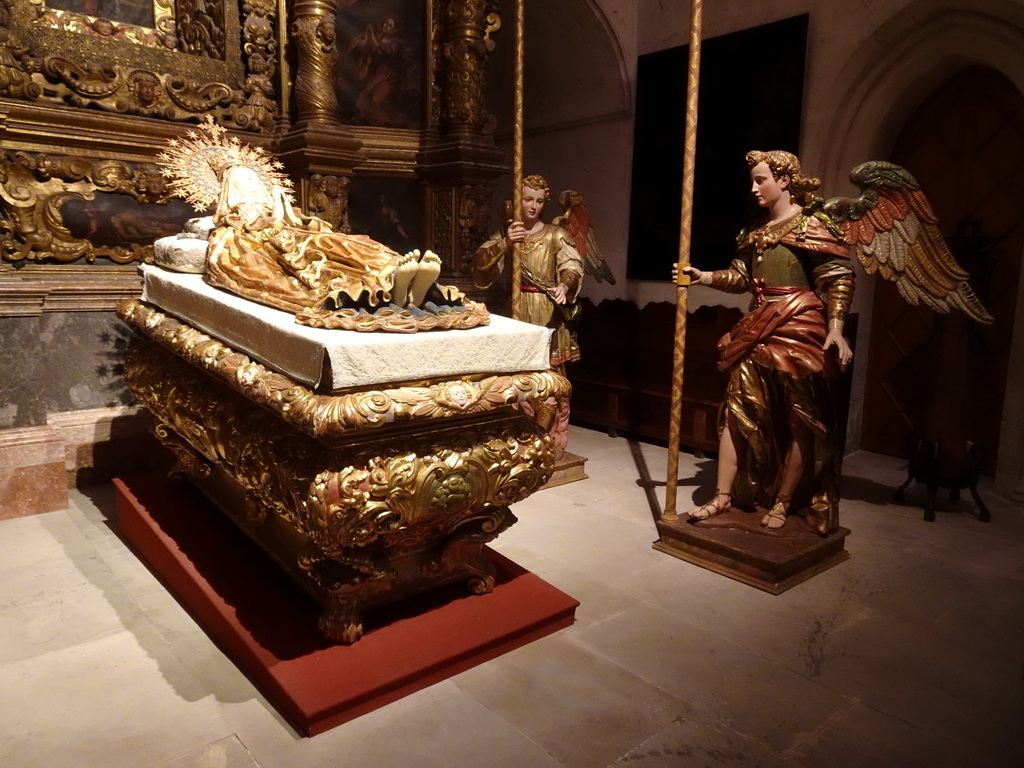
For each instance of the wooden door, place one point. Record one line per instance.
(943, 377)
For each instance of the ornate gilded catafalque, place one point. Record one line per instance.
(365, 495)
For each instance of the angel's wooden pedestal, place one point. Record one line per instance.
(735, 544)
(365, 495)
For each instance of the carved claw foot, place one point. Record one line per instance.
(341, 622)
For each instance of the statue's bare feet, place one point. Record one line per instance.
(718, 505)
(426, 275)
(776, 517)
(407, 267)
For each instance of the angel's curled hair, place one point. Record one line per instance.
(783, 163)
(537, 182)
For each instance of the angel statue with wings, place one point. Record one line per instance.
(555, 258)
(777, 450)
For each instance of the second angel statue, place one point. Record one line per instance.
(778, 453)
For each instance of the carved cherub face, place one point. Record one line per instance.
(328, 31)
(767, 190)
(103, 28)
(533, 205)
(145, 90)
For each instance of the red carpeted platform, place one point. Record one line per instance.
(267, 624)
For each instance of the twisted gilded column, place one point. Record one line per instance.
(466, 36)
(459, 160)
(314, 34)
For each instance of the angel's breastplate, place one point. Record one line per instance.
(780, 266)
(538, 255)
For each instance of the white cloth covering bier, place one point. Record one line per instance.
(331, 360)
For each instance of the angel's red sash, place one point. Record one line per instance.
(786, 334)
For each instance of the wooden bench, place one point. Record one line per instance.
(623, 382)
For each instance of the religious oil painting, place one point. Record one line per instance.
(380, 62)
(112, 220)
(388, 210)
(141, 13)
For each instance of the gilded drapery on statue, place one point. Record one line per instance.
(777, 367)
(778, 453)
(264, 249)
(549, 256)
(290, 262)
(552, 267)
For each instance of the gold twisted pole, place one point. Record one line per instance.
(683, 280)
(517, 157)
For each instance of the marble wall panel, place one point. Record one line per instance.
(31, 472)
(60, 361)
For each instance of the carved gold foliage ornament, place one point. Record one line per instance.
(34, 188)
(185, 66)
(160, 35)
(337, 416)
(396, 492)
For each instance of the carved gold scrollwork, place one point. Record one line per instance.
(161, 34)
(35, 187)
(134, 91)
(200, 27)
(195, 69)
(397, 492)
(188, 462)
(337, 416)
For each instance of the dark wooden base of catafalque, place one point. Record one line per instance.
(735, 544)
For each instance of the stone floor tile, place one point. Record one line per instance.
(719, 681)
(438, 727)
(580, 707)
(696, 744)
(226, 753)
(112, 702)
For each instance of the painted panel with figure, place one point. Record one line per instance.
(380, 78)
(388, 210)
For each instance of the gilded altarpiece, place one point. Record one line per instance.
(380, 103)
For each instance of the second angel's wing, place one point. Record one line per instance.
(895, 233)
(575, 219)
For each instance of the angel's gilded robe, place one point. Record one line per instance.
(799, 274)
(549, 257)
(264, 250)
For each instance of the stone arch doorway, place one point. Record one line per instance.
(944, 377)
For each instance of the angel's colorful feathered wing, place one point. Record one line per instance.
(575, 219)
(894, 232)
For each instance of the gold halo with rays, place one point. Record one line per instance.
(189, 164)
